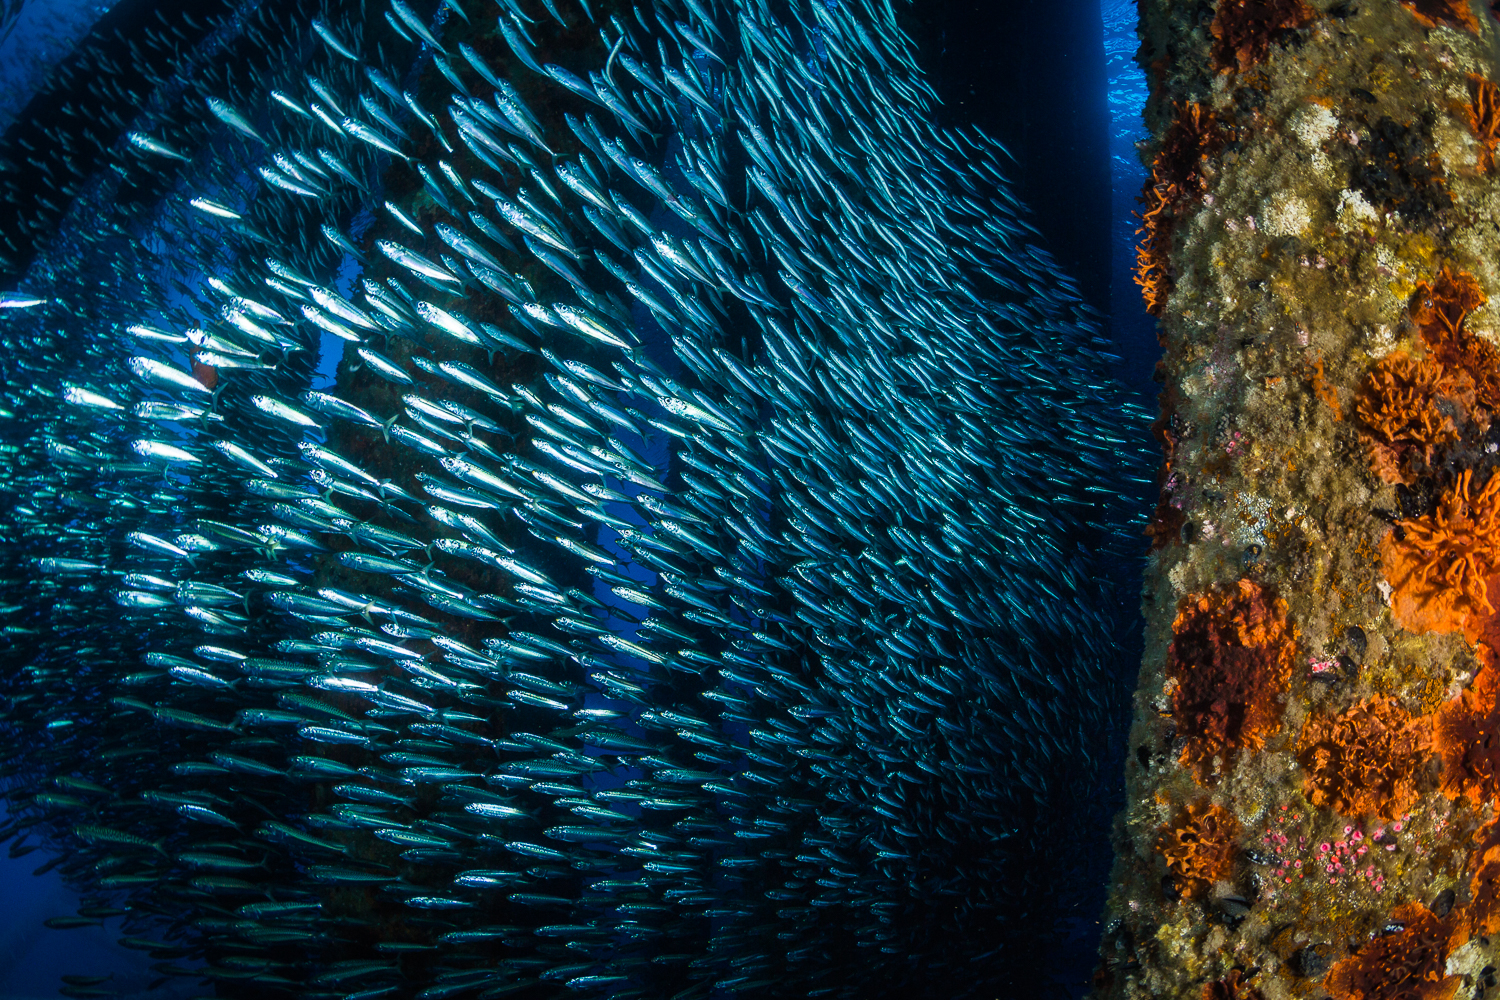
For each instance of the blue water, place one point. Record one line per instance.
(34, 35)
(32, 956)
(1132, 329)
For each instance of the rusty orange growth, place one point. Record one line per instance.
(1484, 117)
(1465, 736)
(1153, 252)
(1176, 179)
(1325, 390)
(1199, 847)
(1166, 524)
(1365, 762)
(1408, 965)
(1438, 565)
(1439, 311)
(1231, 658)
(1447, 13)
(1243, 30)
(1481, 916)
(1402, 421)
(1235, 986)
(1196, 135)
(1439, 308)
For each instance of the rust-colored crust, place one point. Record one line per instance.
(1230, 657)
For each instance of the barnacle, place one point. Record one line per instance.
(1438, 564)
(1407, 965)
(1448, 13)
(1467, 735)
(1199, 846)
(1235, 986)
(1402, 421)
(1366, 761)
(1231, 656)
(1243, 30)
(1439, 310)
(1484, 116)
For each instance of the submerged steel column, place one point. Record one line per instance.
(1315, 760)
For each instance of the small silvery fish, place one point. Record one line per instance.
(564, 564)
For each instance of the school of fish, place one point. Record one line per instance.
(552, 498)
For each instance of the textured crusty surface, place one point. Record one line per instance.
(1322, 247)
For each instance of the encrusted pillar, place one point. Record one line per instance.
(1314, 766)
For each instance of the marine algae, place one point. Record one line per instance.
(1447, 13)
(1176, 180)
(1235, 986)
(1330, 373)
(1482, 913)
(1484, 116)
(1467, 736)
(1440, 309)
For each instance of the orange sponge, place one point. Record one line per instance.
(1366, 761)
(1199, 846)
(1231, 657)
(1438, 564)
